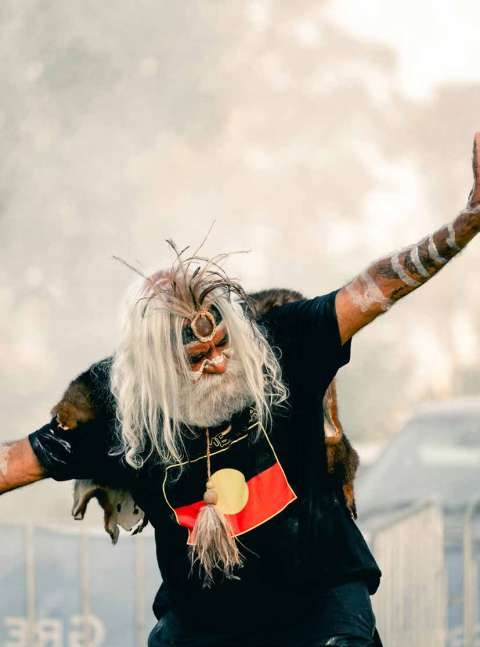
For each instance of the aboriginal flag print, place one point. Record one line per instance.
(247, 476)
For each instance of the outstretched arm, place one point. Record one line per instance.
(387, 280)
(18, 465)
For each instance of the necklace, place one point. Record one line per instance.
(210, 495)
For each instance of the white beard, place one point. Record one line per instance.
(213, 399)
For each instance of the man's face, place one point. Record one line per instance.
(209, 358)
(213, 394)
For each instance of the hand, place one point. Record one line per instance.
(474, 197)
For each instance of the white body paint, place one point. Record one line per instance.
(418, 263)
(433, 253)
(451, 240)
(220, 359)
(402, 275)
(4, 456)
(371, 296)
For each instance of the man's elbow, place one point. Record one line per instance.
(354, 310)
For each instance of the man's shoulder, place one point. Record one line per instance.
(88, 397)
(303, 317)
(97, 377)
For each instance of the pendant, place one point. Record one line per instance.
(228, 490)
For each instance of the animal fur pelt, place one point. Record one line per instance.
(118, 505)
(79, 405)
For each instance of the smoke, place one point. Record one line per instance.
(124, 124)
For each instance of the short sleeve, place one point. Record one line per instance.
(307, 336)
(85, 451)
(72, 453)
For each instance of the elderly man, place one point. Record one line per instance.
(212, 419)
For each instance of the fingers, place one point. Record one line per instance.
(474, 199)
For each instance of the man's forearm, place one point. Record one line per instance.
(392, 277)
(386, 281)
(18, 465)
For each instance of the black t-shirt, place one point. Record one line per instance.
(295, 532)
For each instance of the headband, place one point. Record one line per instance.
(203, 326)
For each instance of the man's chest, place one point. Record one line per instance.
(243, 467)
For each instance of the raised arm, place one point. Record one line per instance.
(18, 465)
(387, 280)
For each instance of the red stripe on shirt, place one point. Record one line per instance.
(269, 494)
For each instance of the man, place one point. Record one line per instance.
(214, 427)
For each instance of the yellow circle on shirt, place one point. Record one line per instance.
(231, 489)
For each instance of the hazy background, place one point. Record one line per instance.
(318, 134)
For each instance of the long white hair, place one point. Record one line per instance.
(150, 366)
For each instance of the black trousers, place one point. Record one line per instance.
(342, 617)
